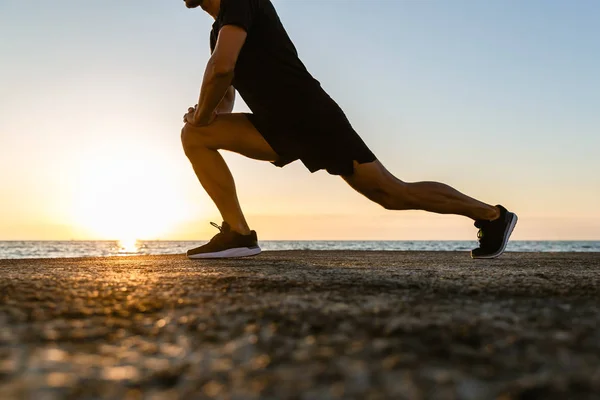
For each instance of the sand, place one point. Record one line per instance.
(302, 325)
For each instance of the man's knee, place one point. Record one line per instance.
(397, 197)
(193, 138)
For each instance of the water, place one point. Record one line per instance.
(56, 249)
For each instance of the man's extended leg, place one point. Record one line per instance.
(378, 184)
(231, 132)
(375, 182)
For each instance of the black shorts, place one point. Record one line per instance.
(322, 139)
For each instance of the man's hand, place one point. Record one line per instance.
(190, 118)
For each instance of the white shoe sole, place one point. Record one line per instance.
(229, 253)
(507, 233)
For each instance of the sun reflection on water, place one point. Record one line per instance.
(129, 246)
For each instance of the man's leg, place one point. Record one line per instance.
(375, 182)
(231, 132)
(495, 223)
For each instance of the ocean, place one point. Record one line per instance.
(59, 249)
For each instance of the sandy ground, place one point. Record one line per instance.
(302, 325)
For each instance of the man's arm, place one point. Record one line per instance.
(226, 105)
(219, 72)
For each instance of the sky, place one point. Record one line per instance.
(497, 99)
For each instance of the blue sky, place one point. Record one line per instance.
(499, 99)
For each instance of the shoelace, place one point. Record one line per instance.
(480, 235)
(218, 235)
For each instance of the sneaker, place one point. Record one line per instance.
(227, 244)
(493, 235)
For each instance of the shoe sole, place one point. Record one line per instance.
(507, 233)
(229, 253)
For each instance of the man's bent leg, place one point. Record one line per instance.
(231, 132)
(375, 182)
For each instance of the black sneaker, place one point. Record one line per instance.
(227, 244)
(493, 235)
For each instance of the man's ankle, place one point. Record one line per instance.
(242, 230)
(488, 214)
(497, 215)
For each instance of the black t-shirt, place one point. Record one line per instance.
(269, 76)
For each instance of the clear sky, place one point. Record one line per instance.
(498, 99)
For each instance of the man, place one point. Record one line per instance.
(293, 119)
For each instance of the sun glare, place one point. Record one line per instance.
(119, 196)
(129, 246)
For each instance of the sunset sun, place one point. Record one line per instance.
(120, 199)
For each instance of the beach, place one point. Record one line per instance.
(302, 325)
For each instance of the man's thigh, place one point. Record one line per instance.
(232, 132)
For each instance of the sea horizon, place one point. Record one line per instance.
(17, 249)
(289, 240)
